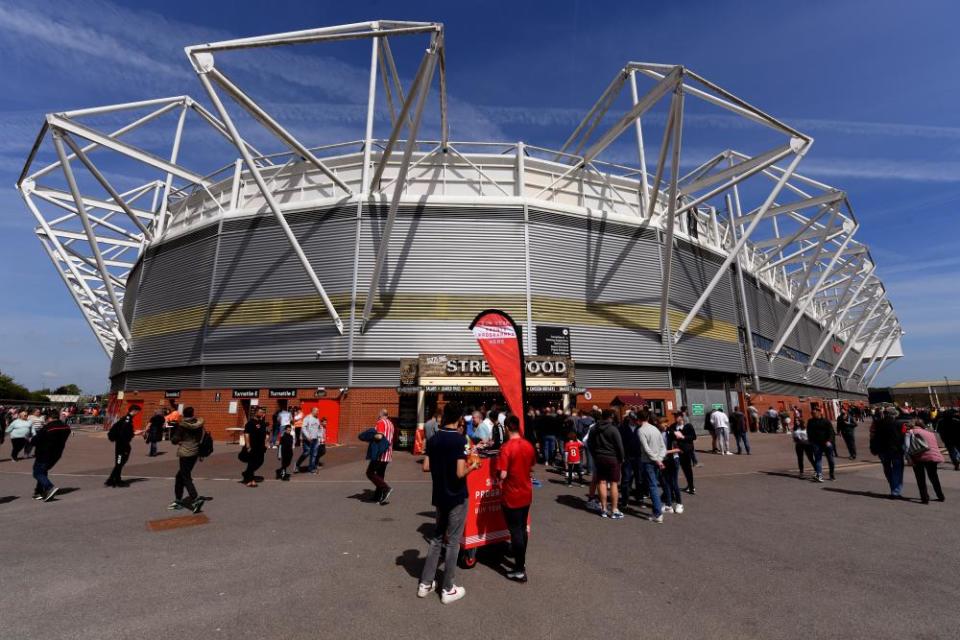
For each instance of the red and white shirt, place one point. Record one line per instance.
(385, 426)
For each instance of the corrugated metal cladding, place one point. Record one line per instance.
(768, 385)
(593, 375)
(444, 265)
(282, 374)
(232, 300)
(376, 374)
(600, 278)
(693, 269)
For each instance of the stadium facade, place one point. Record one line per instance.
(346, 275)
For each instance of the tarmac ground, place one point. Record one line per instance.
(758, 553)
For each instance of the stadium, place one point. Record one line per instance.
(344, 273)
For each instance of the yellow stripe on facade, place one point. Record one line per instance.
(423, 306)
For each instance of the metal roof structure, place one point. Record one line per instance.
(791, 233)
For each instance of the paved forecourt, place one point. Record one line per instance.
(757, 554)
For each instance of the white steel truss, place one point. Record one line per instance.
(791, 233)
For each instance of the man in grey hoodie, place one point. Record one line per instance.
(187, 436)
(653, 450)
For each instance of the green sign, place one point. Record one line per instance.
(717, 406)
(696, 409)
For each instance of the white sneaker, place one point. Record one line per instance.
(423, 590)
(452, 596)
(678, 508)
(668, 509)
(728, 453)
(657, 519)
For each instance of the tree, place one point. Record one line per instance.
(10, 390)
(68, 390)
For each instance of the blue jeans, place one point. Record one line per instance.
(893, 470)
(549, 449)
(651, 473)
(742, 437)
(954, 452)
(275, 432)
(670, 476)
(827, 449)
(153, 447)
(40, 470)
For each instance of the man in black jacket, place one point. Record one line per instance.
(608, 454)
(121, 434)
(845, 426)
(948, 426)
(887, 443)
(629, 430)
(48, 444)
(821, 435)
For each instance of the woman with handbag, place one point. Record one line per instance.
(923, 451)
(801, 444)
(255, 446)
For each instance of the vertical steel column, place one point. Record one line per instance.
(91, 236)
(644, 185)
(361, 199)
(677, 107)
(161, 223)
(743, 293)
(522, 192)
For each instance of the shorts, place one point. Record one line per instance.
(608, 469)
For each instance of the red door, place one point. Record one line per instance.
(329, 409)
(137, 419)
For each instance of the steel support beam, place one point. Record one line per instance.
(859, 326)
(873, 336)
(886, 352)
(644, 182)
(800, 150)
(268, 196)
(91, 237)
(677, 118)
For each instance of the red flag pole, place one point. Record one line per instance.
(521, 410)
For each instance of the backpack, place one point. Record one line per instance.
(917, 445)
(205, 450)
(112, 433)
(176, 436)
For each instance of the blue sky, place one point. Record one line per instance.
(875, 83)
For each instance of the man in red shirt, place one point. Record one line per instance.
(377, 469)
(515, 462)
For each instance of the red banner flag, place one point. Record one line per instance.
(502, 346)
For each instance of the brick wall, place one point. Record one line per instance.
(358, 410)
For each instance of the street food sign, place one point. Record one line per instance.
(459, 366)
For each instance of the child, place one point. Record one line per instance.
(572, 452)
(286, 453)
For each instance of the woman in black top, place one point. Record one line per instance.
(256, 445)
(683, 434)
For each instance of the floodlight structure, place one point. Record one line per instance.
(754, 212)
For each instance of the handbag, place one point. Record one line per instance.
(243, 455)
(917, 445)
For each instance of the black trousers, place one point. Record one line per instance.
(922, 469)
(686, 465)
(253, 463)
(517, 524)
(18, 445)
(802, 450)
(184, 479)
(121, 453)
(850, 441)
(376, 471)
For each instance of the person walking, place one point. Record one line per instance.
(584, 424)
(606, 447)
(739, 428)
(49, 443)
(887, 437)
(20, 430)
(187, 436)
(515, 464)
(310, 438)
(377, 468)
(948, 426)
(721, 431)
(121, 434)
(651, 461)
(255, 443)
(801, 446)
(845, 426)
(286, 453)
(821, 437)
(154, 432)
(924, 458)
(446, 462)
(36, 421)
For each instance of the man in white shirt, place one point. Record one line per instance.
(312, 436)
(721, 428)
